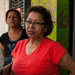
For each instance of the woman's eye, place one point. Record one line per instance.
(29, 22)
(37, 22)
(9, 17)
(12, 16)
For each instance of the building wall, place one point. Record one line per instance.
(4, 6)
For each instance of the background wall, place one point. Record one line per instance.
(4, 6)
(63, 26)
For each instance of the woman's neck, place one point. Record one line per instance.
(15, 30)
(15, 34)
(35, 41)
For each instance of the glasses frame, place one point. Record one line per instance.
(34, 23)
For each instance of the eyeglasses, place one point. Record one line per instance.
(28, 22)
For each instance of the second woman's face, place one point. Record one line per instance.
(12, 19)
(34, 24)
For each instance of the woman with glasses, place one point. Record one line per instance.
(39, 55)
(9, 39)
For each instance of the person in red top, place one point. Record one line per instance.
(42, 61)
(39, 55)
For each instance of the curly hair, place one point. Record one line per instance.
(46, 16)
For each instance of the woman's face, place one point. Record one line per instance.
(34, 24)
(12, 19)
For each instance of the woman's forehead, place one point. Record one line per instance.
(35, 15)
(12, 12)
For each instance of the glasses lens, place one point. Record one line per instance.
(34, 23)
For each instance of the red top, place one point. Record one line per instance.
(43, 61)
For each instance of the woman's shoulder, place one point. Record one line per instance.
(4, 38)
(4, 35)
(50, 41)
(23, 41)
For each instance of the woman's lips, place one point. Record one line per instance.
(30, 32)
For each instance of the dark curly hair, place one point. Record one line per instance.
(46, 16)
(17, 13)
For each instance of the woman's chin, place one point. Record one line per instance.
(13, 26)
(30, 36)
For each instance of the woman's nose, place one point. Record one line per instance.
(13, 17)
(32, 25)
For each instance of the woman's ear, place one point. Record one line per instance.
(45, 30)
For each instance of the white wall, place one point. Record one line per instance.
(4, 6)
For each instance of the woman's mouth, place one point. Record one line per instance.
(30, 32)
